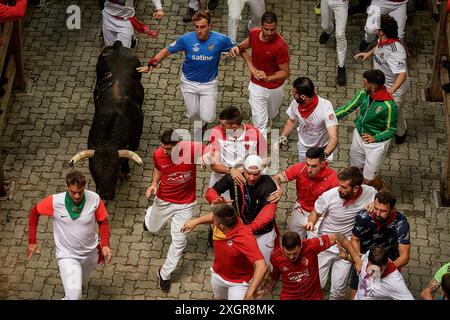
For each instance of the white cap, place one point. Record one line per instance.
(253, 163)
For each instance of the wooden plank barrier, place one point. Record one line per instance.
(11, 64)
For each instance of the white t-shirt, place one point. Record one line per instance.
(391, 60)
(340, 218)
(74, 238)
(390, 287)
(312, 131)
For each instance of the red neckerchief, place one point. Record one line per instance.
(390, 267)
(141, 27)
(353, 199)
(386, 42)
(306, 109)
(391, 218)
(381, 95)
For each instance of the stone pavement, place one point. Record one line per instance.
(49, 123)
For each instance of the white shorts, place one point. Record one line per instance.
(226, 290)
(368, 156)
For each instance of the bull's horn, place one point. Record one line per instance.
(130, 155)
(81, 155)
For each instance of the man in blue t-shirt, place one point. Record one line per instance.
(199, 82)
(382, 226)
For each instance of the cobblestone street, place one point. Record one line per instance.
(49, 123)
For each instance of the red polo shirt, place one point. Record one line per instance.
(178, 172)
(300, 280)
(235, 255)
(267, 55)
(309, 189)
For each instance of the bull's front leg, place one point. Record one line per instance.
(125, 170)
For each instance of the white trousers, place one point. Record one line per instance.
(235, 7)
(401, 124)
(75, 272)
(216, 177)
(226, 290)
(265, 103)
(266, 242)
(396, 10)
(296, 222)
(156, 216)
(200, 99)
(301, 152)
(116, 29)
(368, 156)
(340, 270)
(338, 9)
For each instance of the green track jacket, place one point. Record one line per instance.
(377, 118)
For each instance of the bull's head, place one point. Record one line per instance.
(105, 167)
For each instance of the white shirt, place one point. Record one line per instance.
(312, 131)
(233, 151)
(390, 287)
(337, 217)
(391, 60)
(75, 238)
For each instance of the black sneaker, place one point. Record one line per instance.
(363, 45)
(212, 4)
(400, 139)
(324, 37)
(341, 78)
(163, 284)
(188, 16)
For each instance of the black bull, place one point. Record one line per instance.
(117, 125)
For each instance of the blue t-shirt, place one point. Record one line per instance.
(202, 58)
(388, 236)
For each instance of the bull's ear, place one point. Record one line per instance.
(130, 155)
(81, 155)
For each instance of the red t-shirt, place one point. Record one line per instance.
(300, 280)
(266, 56)
(178, 172)
(309, 189)
(234, 256)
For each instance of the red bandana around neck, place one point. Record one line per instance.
(382, 94)
(386, 42)
(379, 225)
(306, 109)
(353, 199)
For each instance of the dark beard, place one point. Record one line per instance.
(300, 101)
